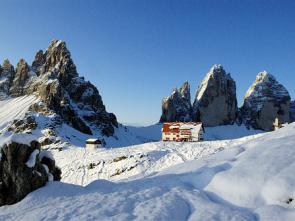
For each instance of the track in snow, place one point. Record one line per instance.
(14, 108)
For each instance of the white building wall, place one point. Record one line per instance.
(93, 146)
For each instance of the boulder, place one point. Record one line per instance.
(25, 125)
(215, 102)
(177, 107)
(21, 171)
(265, 101)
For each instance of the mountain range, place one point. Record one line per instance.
(215, 102)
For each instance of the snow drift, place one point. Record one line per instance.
(250, 179)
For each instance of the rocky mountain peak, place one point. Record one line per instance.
(215, 102)
(58, 59)
(177, 107)
(38, 61)
(7, 68)
(20, 78)
(265, 100)
(216, 68)
(53, 78)
(6, 76)
(263, 81)
(185, 92)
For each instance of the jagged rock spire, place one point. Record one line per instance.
(215, 101)
(265, 101)
(185, 92)
(177, 107)
(6, 76)
(38, 61)
(7, 69)
(20, 78)
(57, 56)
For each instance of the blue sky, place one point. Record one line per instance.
(137, 51)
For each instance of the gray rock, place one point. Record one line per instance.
(38, 62)
(17, 179)
(265, 101)
(20, 78)
(23, 125)
(215, 102)
(6, 76)
(292, 111)
(177, 107)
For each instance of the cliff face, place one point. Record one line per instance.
(53, 78)
(215, 102)
(177, 107)
(292, 111)
(6, 77)
(264, 101)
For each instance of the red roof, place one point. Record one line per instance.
(167, 126)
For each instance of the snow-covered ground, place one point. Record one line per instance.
(237, 174)
(14, 108)
(250, 178)
(81, 166)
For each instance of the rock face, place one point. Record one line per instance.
(53, 77)
(6, 76)
(21, 171)
(215, 102)
(292, 111)
(264, 101)
(177, 107)
(20, 78)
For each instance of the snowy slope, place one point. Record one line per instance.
(81, 166)
(251, 179)
(14, 108)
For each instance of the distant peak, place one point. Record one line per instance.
(216, 67)
(265, 76)
(55, 43)
(6, 63)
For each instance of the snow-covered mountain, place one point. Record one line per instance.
(246, 179)
(264, 101)
(63, 96)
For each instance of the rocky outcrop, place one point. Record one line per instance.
(38, 62)
(177, 107)
(25, 125)
(20, 78)
(22, 171)
(292, 111)
(265, 101)
(6, 76)
(215, 102)
(53, 77)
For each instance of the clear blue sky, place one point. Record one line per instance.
(137, 51)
